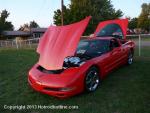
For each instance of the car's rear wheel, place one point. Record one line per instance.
(92, 80)
(130, 58)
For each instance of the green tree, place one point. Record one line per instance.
(4, 15)
(144, 18)
(33, 24)
(57, 16)
(133, 23)
(100, 10)
(4, 24)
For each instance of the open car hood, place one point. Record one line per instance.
(122, 23)
(59, 42)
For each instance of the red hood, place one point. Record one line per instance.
(123, 23)
(59, 42)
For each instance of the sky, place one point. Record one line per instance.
(42, 11)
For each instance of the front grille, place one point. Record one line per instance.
(51, 89)
(40, 68)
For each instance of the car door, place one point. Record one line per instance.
(105, 60)
(113, 58)
(117, 54)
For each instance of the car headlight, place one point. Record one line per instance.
(39, 83)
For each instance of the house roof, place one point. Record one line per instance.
(16, 33)
(38, 30)
(23, 33)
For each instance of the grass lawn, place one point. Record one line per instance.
(126, 90)
(145, 51)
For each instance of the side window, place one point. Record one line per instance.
(113, 44)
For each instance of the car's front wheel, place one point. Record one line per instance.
(92, 80)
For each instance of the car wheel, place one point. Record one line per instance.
(130, 58)
(92, 79)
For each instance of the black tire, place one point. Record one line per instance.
(130, 58)
(92, 79)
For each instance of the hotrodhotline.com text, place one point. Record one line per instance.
(28, 107)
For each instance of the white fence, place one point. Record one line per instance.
(19, 43)
(141, 41)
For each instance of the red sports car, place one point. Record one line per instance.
(68, 66)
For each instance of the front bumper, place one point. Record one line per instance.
(62, 85)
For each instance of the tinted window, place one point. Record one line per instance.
(113, 44)
(113, 30)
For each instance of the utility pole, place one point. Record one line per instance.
(149, 19)
(62, 12)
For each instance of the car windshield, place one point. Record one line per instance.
(93, 48)
(113, 30)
